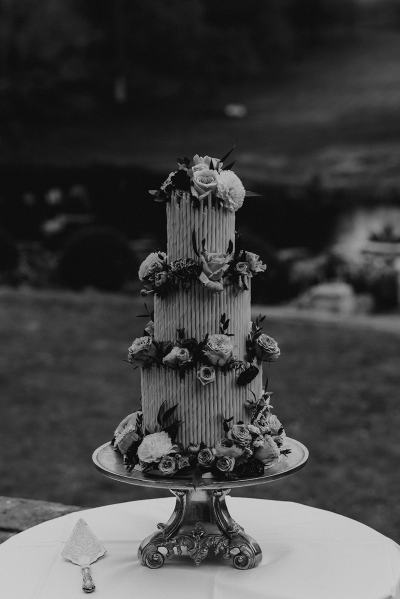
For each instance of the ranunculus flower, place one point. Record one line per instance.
(225, 463)
(206, 374)
(155, 262)
(154, 447)
(167, 464)
(177, 357)
(269, 453)
(141, 349)
(204, 181)
(214, 265)
(205, 457)
(240, 434)
(226, 447)
(218, 349)
(254, 262)
(230, 190)
(266, 348)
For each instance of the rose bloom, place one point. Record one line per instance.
(177, 357)
(154, 262)
(254, 262)
(141, 349)
(240, 434)
(215, 286)
(273, 423)
(154, 447)
(242, 268)
(160, 278)
(225, 464)
(203, 163)
(206, 374)
(128, 432)
(214, 265)
(226, 447)
(269, 453)
(218, 349)
(167, 465)
(230, 189)
(267, 348)
(205, 457)
(182, 461)
(204, 181)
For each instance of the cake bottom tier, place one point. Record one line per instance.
(201, 409)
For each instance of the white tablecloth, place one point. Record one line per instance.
(307, 553)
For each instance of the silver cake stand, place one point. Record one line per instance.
(200, 523)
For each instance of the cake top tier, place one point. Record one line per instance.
(203, 177)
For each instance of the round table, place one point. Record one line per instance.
(307, 553)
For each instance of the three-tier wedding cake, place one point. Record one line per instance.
(204, 407)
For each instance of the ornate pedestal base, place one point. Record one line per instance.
(200, 526)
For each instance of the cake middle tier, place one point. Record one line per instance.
(199, 310)
(209, 222)
(201, 409)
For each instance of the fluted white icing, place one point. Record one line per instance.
(214, 224)
(199, 310)
(201, 409)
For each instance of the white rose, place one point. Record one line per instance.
(269, 453)
(273, 423)
(155, 262)
(230, 189)
(176, 357)
(214, 265)
(154, 447)
(218, 349)
(204, 181)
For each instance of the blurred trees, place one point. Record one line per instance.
(132, 50)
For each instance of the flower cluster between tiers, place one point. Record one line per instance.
(213, 270)
(245, 450)
(204, 177)
(214, 352)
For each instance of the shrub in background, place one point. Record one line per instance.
(97, 257)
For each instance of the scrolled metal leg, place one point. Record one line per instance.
(200, 525)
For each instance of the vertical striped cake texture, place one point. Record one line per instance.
(214, 224)
(200, 408)
(199, 310)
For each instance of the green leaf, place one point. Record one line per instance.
(229, 166)
(160, 414)
(194, 243)
(167, 414)
(228, 153)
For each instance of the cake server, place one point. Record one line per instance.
(83, 548)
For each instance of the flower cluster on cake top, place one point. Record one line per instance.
(203, 177)
(244, 450)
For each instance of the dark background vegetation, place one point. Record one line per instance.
(97, 99)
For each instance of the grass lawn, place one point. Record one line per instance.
(64, 386)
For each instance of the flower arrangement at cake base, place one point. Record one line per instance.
(244, 450)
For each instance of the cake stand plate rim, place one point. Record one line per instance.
(109, 462)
